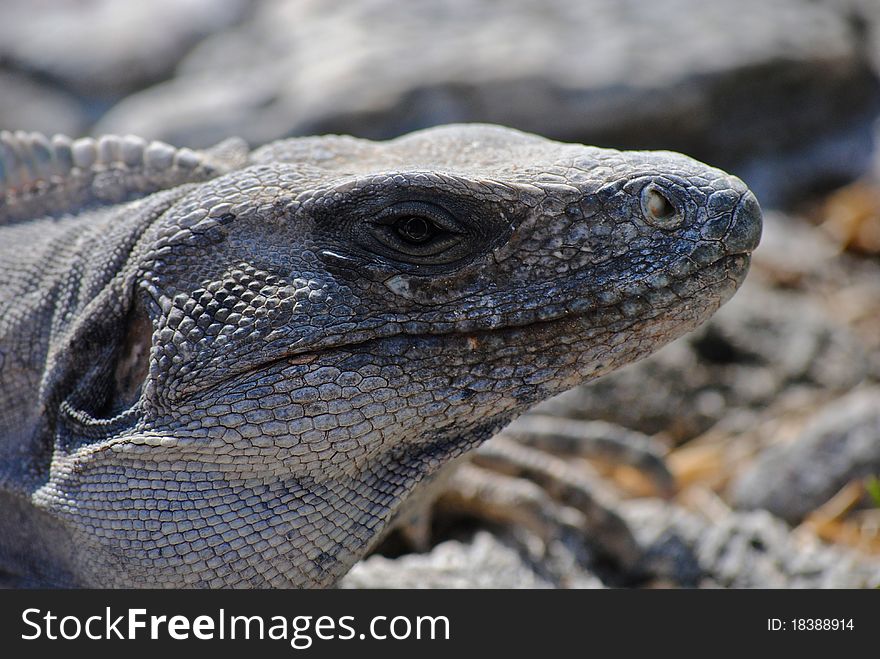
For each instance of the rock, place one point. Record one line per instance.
(864, 16)
(681, 548)
(26, 104)
(793, 253)
(782, 92)
(839, 444)
(739, 550)
(484, 562)
(106, 48)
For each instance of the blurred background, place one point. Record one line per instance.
(765, 424)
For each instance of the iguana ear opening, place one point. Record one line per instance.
(132, 363)
(110, 390)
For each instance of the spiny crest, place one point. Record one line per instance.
(41, 176)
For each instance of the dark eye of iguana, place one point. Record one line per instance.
(416, 231)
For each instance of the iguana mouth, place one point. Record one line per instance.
(734, 267)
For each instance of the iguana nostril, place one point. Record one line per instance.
(745, 228)
(658, 210)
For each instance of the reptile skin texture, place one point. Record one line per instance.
(231, 368)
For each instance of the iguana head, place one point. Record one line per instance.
(299, 342)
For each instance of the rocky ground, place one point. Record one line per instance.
(746, 454)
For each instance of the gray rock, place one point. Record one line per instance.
(104, 47)
(740, 550)
(26, 104)
(864, 16)
(839, 444)
(680, 548)
(793, 252)
(783, 91)
(484, 562)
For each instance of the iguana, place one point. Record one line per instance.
(232, 367)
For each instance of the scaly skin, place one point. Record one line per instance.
(238, 382)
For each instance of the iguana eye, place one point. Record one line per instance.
(415, 229)
(658, 210)
(417, 232)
